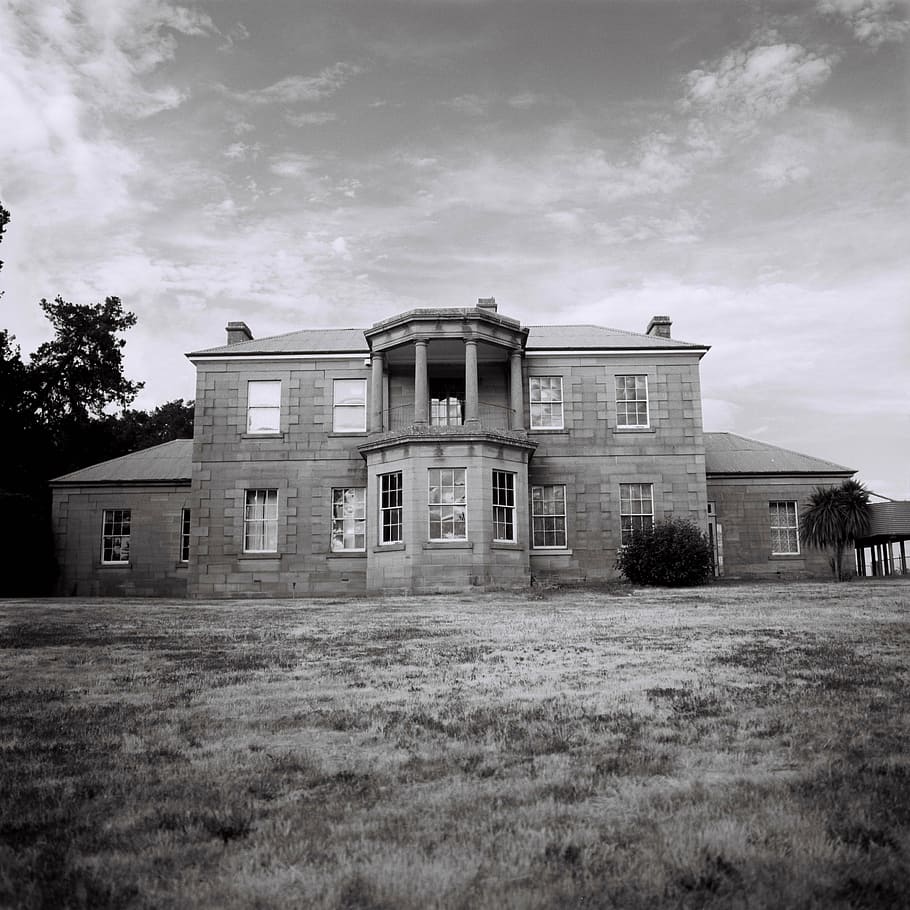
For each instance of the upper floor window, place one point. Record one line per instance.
(390, 508)
(636, 509)
(184, 535)
(546, 402)
(263, 406)
(503, 506)
(349, 519)
(260, 522)
(632, 401)
(447, 502)
(349, 408)
(784, 528)
(548, 516)
(115, 536)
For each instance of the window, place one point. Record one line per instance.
(632, 401)
(349, 412)
(503, 506)
(636, 509)
(546, 402)
(548, 516)
(115, 536)
(349, 519)
(447, 504)
(185, 535)
(260, 522)
(263, 406)
(390, 508)
(784, 529)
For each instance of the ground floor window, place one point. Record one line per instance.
(390, 508)
(349, 519)
(784, 528)
(548, 516)
(636, 509)
(447, 504)
(115, 536)
(185, 535)
(260, 522)
(503, 506)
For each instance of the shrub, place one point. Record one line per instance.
(673, 552)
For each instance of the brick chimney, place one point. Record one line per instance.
(659, 326)
(486, 303)
(237, 332)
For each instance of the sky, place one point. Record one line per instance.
(741, 167)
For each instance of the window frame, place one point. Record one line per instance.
(185, 524)
(535, 515)
(391, 508)
(783, 527)
(504, 512)
(340, 407)
(340, 523)
(109, 532)
(266, 520)
(540, 403)
(275, 427)
(624, 402)
(455, 504)
(626, 534)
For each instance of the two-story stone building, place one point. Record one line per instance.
(440, 449)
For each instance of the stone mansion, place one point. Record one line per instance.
(439, 449)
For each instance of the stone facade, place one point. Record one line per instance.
(439, 450)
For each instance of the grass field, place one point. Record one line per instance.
(735, 747)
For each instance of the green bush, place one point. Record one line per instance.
(673, 552)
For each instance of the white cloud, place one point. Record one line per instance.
(873, 22)
(311, 118)
(471, 105)
(295, 89)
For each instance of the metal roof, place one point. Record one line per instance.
(306, 341)
(168, 462)
(581, 337)
(727, 453)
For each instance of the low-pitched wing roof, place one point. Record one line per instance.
(170, 461)
(728, 453)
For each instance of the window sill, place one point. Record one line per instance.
(448, 545)
(506, 545)
(388, 547)
(346, 554)
(181, 565)
(114, 565)
(622, 431)
(269, 554)
(262, 436)
(785, 556)
(346, 433)
(550, 551)
(551, 431)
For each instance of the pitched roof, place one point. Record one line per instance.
(170, 461)
(540, 337)
(727, 453)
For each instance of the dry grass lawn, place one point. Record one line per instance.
(735, 747)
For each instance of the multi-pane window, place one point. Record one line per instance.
(260, 521)
(636, 509)
(349, 409)
(784, 528)
(446, 411)
(390, 508)
(115, 536)
(503, 506)
(184, 535)
(632, 401)
(349, 519)
(263, 406)
(548, 515)
(546, 402)
(447, 502)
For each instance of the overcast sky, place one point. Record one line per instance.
(739, 166)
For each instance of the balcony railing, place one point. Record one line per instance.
(491, 416)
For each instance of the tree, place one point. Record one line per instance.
(834, 518)
(673, 552)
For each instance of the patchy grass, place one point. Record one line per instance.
(737, 747)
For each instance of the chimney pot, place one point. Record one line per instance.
(487, 303)
(659, 326)
(237, 332)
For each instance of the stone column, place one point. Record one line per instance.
(516, 391)
(472, 402)
(377, 364)
(421, 386)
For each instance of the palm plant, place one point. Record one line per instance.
(835, 517)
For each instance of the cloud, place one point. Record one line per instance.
(311, 118)
(296, 89)
(752, 83)
(873, 22)
(471, 105)
(235, 34)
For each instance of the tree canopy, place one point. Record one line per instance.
(834, 518)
